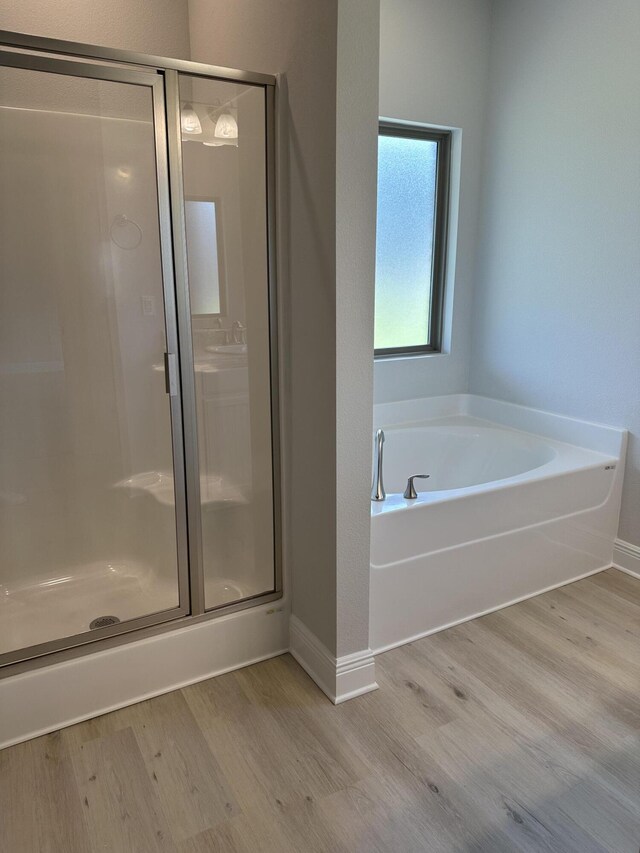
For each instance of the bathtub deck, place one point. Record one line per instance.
(519, 731)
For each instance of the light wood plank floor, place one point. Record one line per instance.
(516, 732)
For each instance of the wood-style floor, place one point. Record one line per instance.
(519, 731)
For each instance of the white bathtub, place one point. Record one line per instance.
(518, 501)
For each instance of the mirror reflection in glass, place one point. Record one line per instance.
(206, 271)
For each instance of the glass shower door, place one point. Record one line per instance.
(92, 519)
(223, 187)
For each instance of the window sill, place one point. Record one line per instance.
(408, 356)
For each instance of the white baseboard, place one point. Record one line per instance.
(339, 678)
(626, 557)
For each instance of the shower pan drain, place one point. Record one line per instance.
(103, 622)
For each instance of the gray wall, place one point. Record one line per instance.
(327, 53)
(557, 310)
(434, 65)
(357, 154)
(149, 26)
(298, 39)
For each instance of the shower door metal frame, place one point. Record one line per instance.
(161, 75)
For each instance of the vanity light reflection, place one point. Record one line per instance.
(208, 125)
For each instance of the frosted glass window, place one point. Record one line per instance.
(410, 226)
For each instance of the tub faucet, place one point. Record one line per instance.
(410, 492)
(377, 489)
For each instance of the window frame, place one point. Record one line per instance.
(443, 139)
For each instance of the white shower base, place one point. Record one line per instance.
(50, 697)
(50, 608)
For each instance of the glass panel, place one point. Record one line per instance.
(223, 131)
(406, 208)
(87, 510)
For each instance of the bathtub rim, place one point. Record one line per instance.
(590, 435)
(573, 459)
(599, 445)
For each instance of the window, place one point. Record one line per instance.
(413, 191)
(206, 270)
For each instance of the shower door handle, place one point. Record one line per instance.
(170, 374)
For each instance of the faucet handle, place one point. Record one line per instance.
(410, 492)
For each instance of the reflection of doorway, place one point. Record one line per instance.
(207, 286)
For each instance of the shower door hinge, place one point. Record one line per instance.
(170, 373)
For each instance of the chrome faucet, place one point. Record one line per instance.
(239, 332)
(377, 488)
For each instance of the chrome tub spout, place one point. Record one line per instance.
(377, 489)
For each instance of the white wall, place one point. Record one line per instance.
(557, 312)
(434, 62)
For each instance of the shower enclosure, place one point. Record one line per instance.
(139, 462)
